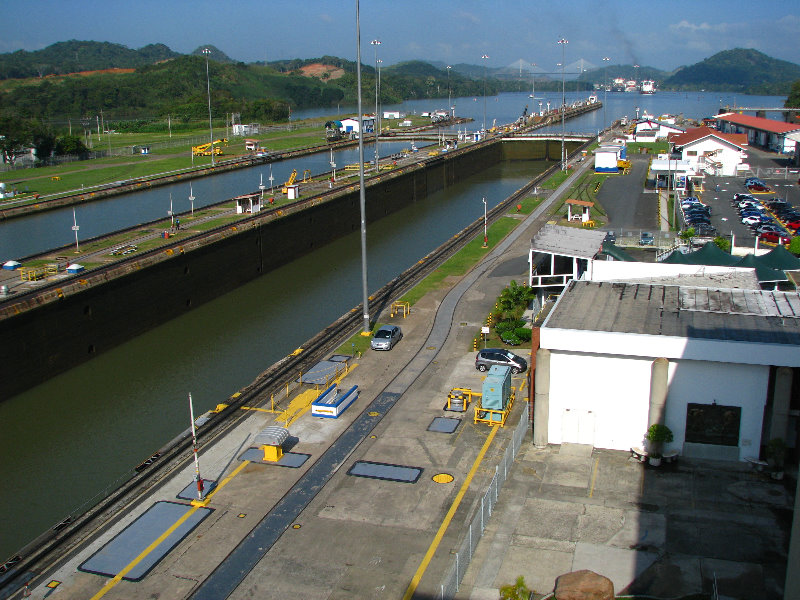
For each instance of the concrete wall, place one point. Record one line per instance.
(52, 337)
(726, 384)
(604, 400)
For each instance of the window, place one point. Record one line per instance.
(713, 424)
(691, 153)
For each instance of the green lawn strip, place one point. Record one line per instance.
(357, 344)
(555, 180)
(463, 260)
(650, 147)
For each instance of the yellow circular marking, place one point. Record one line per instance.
(373, 437)
(241, 515)
(373, 413)
(296, 526)
(443, 478)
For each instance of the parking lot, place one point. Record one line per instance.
(718, 193)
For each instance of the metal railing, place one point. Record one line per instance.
(477, 524)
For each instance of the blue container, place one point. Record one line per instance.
(496, 388)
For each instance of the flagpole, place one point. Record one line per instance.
(197, 477)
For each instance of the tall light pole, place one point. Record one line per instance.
(563, 43)
(533, 81)
(605, 89)
(361, 195)
(376, 43)
(485, 74)
(485, 232)
(449, 96)
(206, 51)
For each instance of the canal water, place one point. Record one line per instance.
(41, 232)
(75, 436)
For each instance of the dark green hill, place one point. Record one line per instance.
(216, 54)
(75, 56)
(176, 87)
(741, 70)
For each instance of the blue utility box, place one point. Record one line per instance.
(496, 388)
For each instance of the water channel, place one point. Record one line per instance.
(73, 436)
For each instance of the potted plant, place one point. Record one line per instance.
(657, 435)
(776, 456)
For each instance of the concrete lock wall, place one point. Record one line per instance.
(56, 336)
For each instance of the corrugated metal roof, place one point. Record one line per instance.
(691, 312)
(759, 123)
(568, 241)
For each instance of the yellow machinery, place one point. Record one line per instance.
(306, 175)
(459, 398)
(209, 148)
(292, 179)
(400, 306)
(623, 164)
(492, 416)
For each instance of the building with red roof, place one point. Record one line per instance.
(767, 133)
(710, 151)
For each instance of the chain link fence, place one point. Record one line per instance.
(477, 525)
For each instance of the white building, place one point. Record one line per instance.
(767, 133)
(715, 365)
(709, 151)
(651, 130)
(350, 125)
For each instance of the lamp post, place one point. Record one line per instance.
(605, 89)
(485, 73)
(485, 233)
(376, 43)
(563, 43)
(449, 96)
(361, 194)
(206, 51)
(533, 81)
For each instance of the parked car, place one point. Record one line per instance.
(489, 357)
(646, 239)
(775, 238)
(759, 188)
(754, 219)
(611, 237)
(793, 225)
(739, 197)
(386, 337)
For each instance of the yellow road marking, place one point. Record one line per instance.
(111, 583)
(449, 517)
(594, 476)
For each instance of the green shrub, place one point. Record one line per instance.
(523, 333)
(508, 325)
(510, 338)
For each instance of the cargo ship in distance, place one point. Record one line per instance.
(648, 87)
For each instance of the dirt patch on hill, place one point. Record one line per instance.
(318, 70)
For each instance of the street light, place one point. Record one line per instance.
(485, 72)
(376, 43)
(533, 81)
(362, 200)
(206, 51)
(449, 101)
(562, 42)
(485, 234)
(605, 89)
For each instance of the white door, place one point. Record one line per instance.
(577, 426)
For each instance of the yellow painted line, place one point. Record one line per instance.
(110, 584)
(594, 476)
(449, 517)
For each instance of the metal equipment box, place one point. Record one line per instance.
(496, 388)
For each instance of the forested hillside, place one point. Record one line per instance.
(740, 70)
(75, 56)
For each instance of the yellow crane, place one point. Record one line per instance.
(292, 179)
(209, 148)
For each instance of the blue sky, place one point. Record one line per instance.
(659, 34)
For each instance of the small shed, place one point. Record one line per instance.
(248, 203)
(75, 268)
(578, 210)
(605, 159)
(11, 265)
